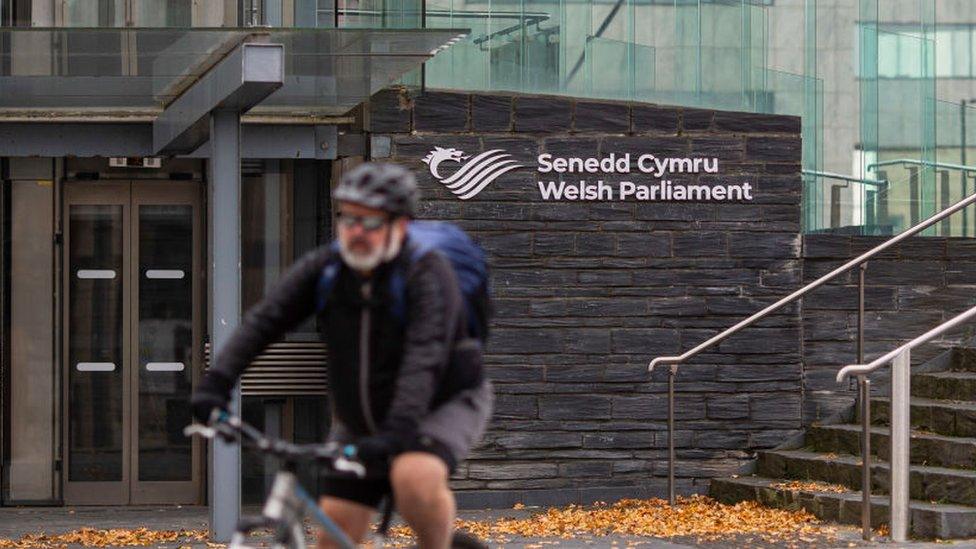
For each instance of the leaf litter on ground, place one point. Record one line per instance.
(95, 537)
(697, 516)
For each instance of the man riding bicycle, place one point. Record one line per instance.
(406, 389)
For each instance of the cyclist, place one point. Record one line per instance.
(402, 389)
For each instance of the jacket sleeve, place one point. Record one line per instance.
(433, 316)
(289, 303)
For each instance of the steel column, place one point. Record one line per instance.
(672, 371)
(860, 312)
(864, 384)
(864, 396)
(900, 410)
(225, 312)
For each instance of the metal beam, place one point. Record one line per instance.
(86, 140)
(75, 139)
(248, 74)
(276, 141)
(225, 311)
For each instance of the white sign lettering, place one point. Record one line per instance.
(475, 173)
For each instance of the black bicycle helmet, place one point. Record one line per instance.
(388, 187)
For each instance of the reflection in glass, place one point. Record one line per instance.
(95, 317)
(300, 419)
(165, 341)
(94, 13)
(285, 213)
(127, 13)
(315, 13)
(161, 13)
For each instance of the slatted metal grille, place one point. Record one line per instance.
(285, 369)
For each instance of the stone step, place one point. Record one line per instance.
(927, 483)
(927, 448)
(928, 520)
(964, 359)
(958, 386)
(954, 419)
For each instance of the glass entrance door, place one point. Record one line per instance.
(132, 341)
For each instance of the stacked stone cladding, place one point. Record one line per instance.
(909, 289)
(587, 293)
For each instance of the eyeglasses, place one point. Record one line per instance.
(367, 222)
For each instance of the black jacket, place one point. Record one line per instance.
(386, 374)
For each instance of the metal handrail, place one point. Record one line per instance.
(862, 369)
(815, 284)
(925, 163)
(859, 261)
(966, 172)
(883, 183)
(838, 181)
(900, 414)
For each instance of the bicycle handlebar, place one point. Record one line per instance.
(340, 458)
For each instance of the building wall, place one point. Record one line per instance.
(32, 367)
(909, 289)
(587, 293)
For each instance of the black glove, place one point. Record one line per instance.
(213, 391)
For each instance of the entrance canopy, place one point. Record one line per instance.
(327, 71)
(148, 92)
(167, 77)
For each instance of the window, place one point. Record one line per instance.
(302, 420)
(126, 13)
(315, 13)
(901, 49)
(285, 212)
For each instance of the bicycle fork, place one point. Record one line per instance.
(283, 510)
(281, 514)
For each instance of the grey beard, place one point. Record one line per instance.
(368, 262)
(359, 262)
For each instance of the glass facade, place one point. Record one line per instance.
(896, 76)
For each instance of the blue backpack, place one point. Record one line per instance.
(466, 257)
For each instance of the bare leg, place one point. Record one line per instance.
(353, 518)
(423, 497)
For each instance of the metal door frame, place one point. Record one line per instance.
(96, 493)
(130, 194)
(175, 193)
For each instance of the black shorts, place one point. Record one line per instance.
(371, 491)
(368, 492)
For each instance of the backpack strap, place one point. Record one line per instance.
(398, 294)
(397, 283)
(398, 279)
(327, 281)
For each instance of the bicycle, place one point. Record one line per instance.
(288, 501)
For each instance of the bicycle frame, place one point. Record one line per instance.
(283, 510)
(288, 501)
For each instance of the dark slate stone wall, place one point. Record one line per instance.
(587, 293)
(910, 289)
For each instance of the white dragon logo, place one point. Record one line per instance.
(475, 174)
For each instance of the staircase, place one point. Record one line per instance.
(943, 457)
